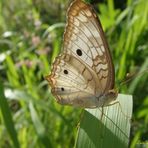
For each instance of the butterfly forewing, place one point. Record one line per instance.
(84, 71)
(84, 33)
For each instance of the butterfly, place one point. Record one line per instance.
(83, 74)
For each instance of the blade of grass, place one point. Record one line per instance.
(41, 131)
(56, 49)
(8, 117)
(53, 27)
(11, 71)
(112, 130)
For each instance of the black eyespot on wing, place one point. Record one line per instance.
(79, 52)
(62, 89)
(65, 71)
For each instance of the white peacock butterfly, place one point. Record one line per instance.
(83, 74)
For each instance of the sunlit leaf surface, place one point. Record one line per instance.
(107, 127)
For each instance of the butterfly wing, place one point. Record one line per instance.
(84, 39)
(92, 73)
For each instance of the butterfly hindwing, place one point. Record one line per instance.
(72, 82)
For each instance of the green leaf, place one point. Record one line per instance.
(7, 117)
(109, 127)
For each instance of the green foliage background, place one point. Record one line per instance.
(31, 37)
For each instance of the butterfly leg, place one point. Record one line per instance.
(102, 113)
(117, 102)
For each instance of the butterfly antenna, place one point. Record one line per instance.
(131, 76)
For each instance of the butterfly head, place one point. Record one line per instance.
(110, 96)
(113, 93)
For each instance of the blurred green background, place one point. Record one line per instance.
(30, 38)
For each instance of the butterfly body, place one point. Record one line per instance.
(83, 74)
